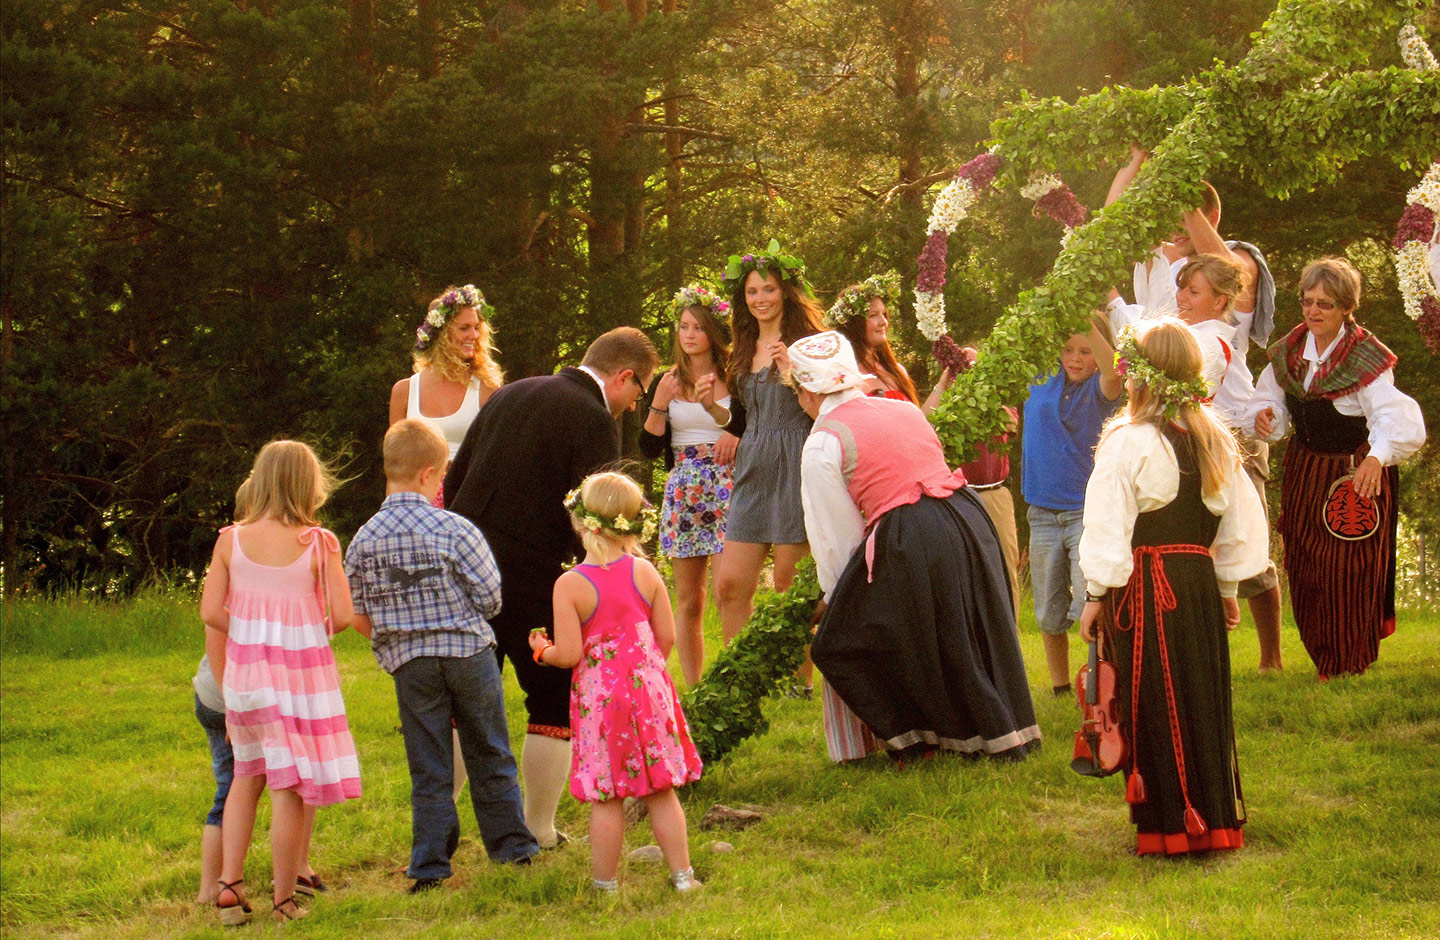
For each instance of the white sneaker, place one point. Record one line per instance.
(685, 880)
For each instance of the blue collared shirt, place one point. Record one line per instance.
(426, 579)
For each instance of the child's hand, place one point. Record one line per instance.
(538, 639)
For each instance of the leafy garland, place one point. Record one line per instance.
(723, 708)
(1282, 108)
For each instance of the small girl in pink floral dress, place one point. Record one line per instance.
(614, 626)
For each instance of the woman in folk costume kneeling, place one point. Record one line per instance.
(917, 640)
(1172, 524)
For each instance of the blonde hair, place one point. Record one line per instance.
(242, 501)
(445, 357)
(1172, 349)
(1225, 277)
(289, 484)
(611, 495)
(411, 445)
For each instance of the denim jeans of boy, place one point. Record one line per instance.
(1055, 567)
(431, 690)
(222, 758)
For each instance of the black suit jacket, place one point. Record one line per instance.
(532, 443)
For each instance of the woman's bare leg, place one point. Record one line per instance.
(736, 577)
(690, 574)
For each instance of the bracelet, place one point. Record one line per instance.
(660, 411)
(1093, 598)
(539, 655)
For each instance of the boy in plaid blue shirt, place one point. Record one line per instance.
(424, 585)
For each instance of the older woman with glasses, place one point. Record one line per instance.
(1333, 382)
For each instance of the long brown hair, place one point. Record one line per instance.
(867, 356)
(714, 330)
(1171, 348)
(800, 317)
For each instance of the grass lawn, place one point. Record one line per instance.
(104, 782)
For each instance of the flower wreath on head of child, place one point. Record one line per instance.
(641, 526)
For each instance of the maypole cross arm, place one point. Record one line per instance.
(1291, 114)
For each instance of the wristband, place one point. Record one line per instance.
(539, 655)
(660, 411)
(1093, 598)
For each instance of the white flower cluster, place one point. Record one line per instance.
(952, 205)
(436, 317)
(1416, 276)
(1041, 184)
(930, 315)
(1427, 191)
(1412, 269)
(1413, 50)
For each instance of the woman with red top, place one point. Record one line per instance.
(1335, 383)
(917, 639)
(1171, 525)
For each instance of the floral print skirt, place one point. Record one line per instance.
(697, 494)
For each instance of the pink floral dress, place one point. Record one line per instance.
(630, 736)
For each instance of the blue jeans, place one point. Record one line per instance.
(222, 759)
(1055, 567)
(431, 691)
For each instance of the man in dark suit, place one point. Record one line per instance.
(533, 442)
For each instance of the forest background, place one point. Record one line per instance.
(221, 220)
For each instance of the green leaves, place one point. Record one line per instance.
(723, 709)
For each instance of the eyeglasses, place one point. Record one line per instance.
(1324, 306)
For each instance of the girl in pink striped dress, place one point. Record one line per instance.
(272, 579)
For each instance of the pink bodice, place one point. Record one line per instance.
(891, 455)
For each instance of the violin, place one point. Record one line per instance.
(1100, 745)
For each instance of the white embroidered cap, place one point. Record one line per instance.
(824, 363)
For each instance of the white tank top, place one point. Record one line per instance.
(453, 426)
(691, 424)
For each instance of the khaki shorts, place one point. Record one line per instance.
(1255, 457)
(1000, 507)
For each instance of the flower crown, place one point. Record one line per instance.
(694, 295)
(771, 260)
(855, 301)
(1131, 363)
(617, 525)
(451, 302)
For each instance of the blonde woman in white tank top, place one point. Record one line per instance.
(455, 372)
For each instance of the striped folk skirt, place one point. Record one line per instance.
(1342, 592)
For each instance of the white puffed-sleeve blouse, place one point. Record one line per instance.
(1135, 472)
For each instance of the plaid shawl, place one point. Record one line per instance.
(1359, 360)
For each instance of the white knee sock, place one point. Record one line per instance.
(546, 765)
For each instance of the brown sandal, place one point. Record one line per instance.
(284, 916)
(233, 915)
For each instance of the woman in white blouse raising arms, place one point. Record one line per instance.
(1172, 524)
(1334, 383)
